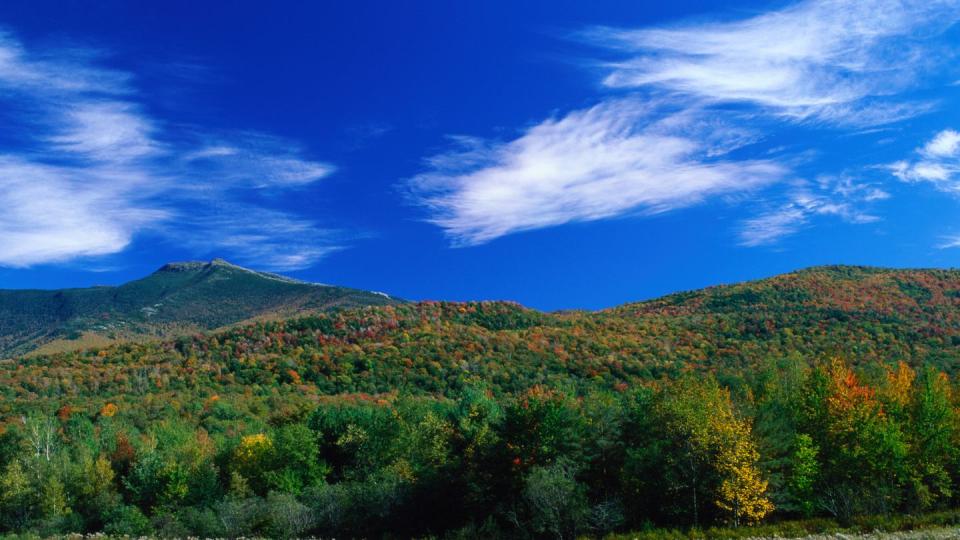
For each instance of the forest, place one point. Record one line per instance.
(547, 462)
(742, 407)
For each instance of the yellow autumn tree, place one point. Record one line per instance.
(252, 449)
(742, 490)
(714, 442)
(251, 458)
(897, 394)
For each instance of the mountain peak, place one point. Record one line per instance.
(179, 298)
(191, 266)
(218, 264)
(184, 266)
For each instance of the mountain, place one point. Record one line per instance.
(413, 412)
(177, 299)
(909, 293)
(866, 316)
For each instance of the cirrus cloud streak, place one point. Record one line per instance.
(830, 61)
(697, 91)
(97, 169)
(591, 164)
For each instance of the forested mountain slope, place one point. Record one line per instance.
(867, 316)
(828, 392)
(177, 299)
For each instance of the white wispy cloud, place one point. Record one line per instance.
(842, 197)
(833, 61)
(945, 145)
(258, 236)
(937, 162)
(697, 92)
(97, 169)
(590, 164)
(253, 160)
(104, 131)
(65, 72)
(51, 214)
(950, 242)
(770, 227)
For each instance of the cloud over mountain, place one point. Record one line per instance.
(98, 168)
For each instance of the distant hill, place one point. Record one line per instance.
(177, 299)
(867, 316)
(908, 293)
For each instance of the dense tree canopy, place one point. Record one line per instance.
(822, 393)
(548, 461)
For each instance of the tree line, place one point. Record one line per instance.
(552, 461)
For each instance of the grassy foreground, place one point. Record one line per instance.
(938, 526)
(914, 527)
(934, 526)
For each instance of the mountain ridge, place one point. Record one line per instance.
(176, 299)
(921, 300)
(872, 317)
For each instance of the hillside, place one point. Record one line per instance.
(867, 316)
(848, 289)
(828, 393)
(177, 299)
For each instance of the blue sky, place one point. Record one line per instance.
(560, 154)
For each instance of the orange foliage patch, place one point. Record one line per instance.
(109, 410)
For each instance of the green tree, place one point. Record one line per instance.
(16, 497)
(293, 462)
(804, 470)
(289, 518)
(863, 450)
(556, 502)
(931, 432)
(126, 520)
(699, 457)
(541, 426)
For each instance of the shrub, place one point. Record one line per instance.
(288, 517)
(557, 503)
(127, 520)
